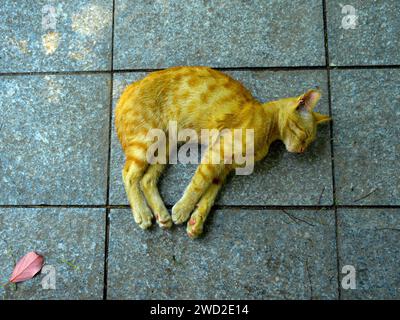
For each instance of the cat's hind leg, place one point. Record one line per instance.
(195, 225)
(153, 198)
(132, 173)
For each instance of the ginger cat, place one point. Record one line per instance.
(200, 98)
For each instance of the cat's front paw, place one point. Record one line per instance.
(180, 212)
(164, 220)
(194, 227)
(195, 224)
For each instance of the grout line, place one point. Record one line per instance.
(49, 73)
(169, 206)
(277, 68)
(215, 207)
(43, 206)
(254, 69)
(297, 207)
(107, 228)
(326, 38)
(106, 247)
(327, 60)
(243, 68)
(356, 67)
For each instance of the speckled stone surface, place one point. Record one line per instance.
(243, 255)
(71, 240)
(48, 35)
(280, 179)
(54, 139)
(375, 38)
(218, 33)
(366, 115)
(369, 241)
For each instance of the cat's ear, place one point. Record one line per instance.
(308, 100)
(321, 118)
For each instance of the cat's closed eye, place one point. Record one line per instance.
(302, 137)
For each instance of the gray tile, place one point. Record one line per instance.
(71, 240)
(243, 255)
(54, 139)
(281, 178)
(53, 36)
(369, 241)
(375, 38)
(218, 33)
(366, 136)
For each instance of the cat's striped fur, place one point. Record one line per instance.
(200, 98)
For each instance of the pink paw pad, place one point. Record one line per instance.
(192, 221)
(191, 234)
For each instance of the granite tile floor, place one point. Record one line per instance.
(288, 231)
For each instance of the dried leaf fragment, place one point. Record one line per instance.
(27, 267)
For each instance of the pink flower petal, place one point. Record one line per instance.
(27, 267)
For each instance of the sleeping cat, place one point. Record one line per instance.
(200, 98)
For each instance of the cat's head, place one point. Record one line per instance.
(298, 122)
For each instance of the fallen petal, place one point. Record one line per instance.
(27, 267)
